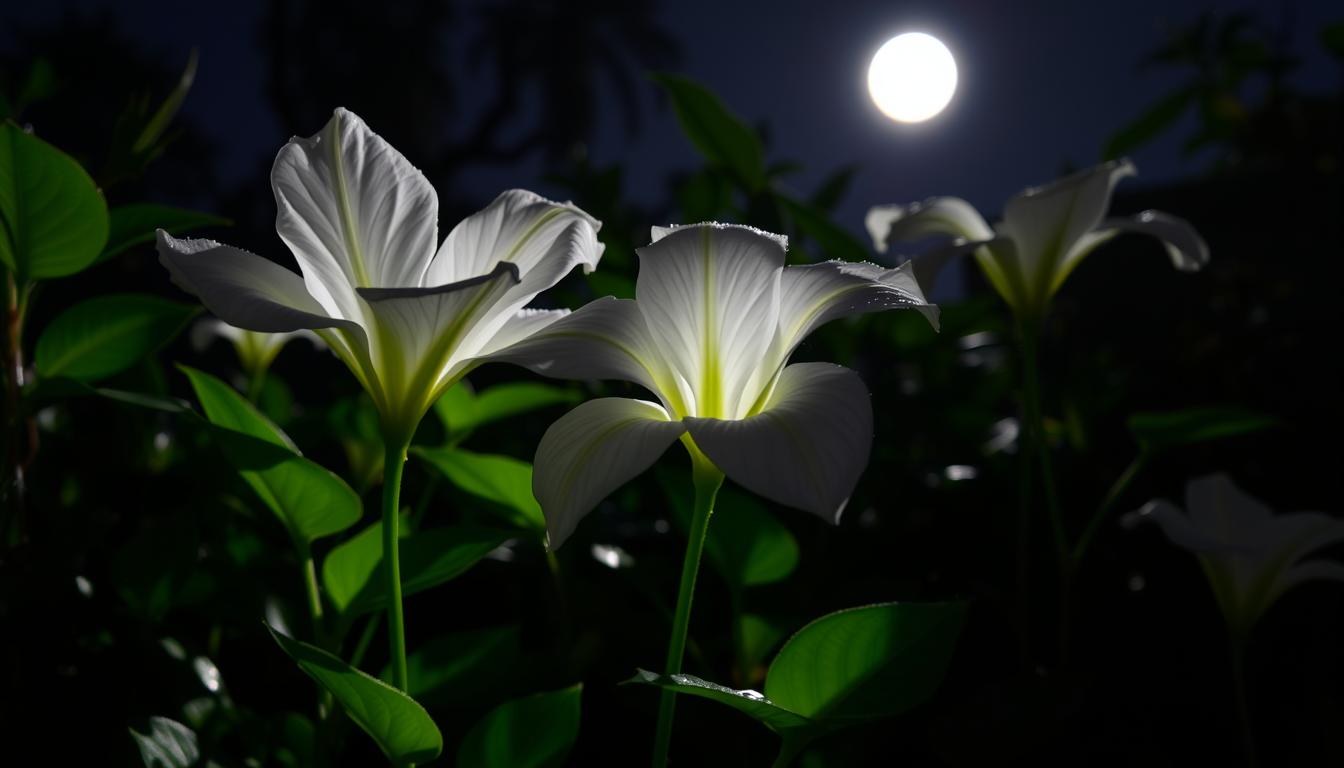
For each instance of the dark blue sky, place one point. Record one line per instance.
(1042, 84)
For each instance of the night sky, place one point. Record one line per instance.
(1041, 87)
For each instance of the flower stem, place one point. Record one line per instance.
(12, 484)
(707, 480)
(393, 462)
(1238, 639)
(1035, 430)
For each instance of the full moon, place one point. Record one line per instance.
(912, 77)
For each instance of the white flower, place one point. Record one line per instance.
(1045, 232)
(256, 350)
(715, 318)
(408, 320)
(1250, 555)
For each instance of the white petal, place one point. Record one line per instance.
(1176, 525)
(1186, 249)
(1222, 511)
(242, 288)
(815, 294)
(1046, 222)
(420, 331)
(523, 323)
(354, 212)
(593, 450)
(936, 216)
(710, 296)
(1311, 570)
(543, 238)
(808, 446)
(605, 339)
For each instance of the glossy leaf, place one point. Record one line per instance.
(865, 663)
(719, 135)
(103, 336)
(462, 409)
(54, 217)
(311, 501)
(131, 225)
(401, 727)
(1159, 430)
(501, 479)
(458, 667)
(533, 732)
(169, 744)
(352, 572)
(751, 703)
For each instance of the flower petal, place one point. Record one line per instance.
(808, 446)
(523, 323)
(242, 288)
(1186, 249)
(710, 296)
(815, 294)
(593, 450)
(1175, 525)
(420, 333)
(1046, 222)
(604, 339)
(950, 216)
(354, 212)
(544, 239)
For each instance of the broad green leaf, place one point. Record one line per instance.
(501, 479)
(1160, 430)
(462, 409)
(401, 727)
(352, 572)
(458, 667)
(866, 663)
(311, 501)
(169, 744)
(834, 241)
(131, 225)
(533, 732)
(103, 336)
(746, 544)
(751, 703)
(719, 135)
(53, 221)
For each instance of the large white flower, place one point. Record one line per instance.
(1046, 231)
(1250, 555)
(408, 316)
(715, 317)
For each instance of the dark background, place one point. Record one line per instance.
(484, 96)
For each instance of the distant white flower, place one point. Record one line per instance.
(1046, 231)
(407, 319)
(715, 318)
(256, 349)
(1250, 555)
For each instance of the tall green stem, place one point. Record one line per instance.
(393, 463)
(1035, 430)
(12, 489)
(707, 480)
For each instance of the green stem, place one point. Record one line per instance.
(1118, 489)
(1035, 430)
(707, 480)
(12, 484)
(365, 639)
(393, 462)
(1238, 646)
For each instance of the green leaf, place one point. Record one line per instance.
(834, 241)
(533, 732)
(99, 337)
(462, 410)
(169, 744)
(401, 727)
(352, 572)
(131, 225)
(53, 221)
(460, 667)
(311, 501)
(745, 544)
(719, 135)
(158, 122)
(751, 703)
(1160, 430)
(865, 663)
(759, 636)
(1152, 122)
(502, 479)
